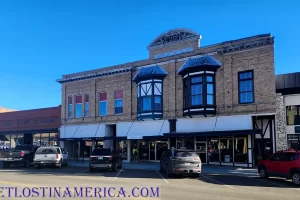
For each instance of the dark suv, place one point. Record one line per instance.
(281, 164)
(105, 159)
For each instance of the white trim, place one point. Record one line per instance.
(157, 80)
(148, 81)
(157, 113)
(146, 114)
(186, 111)
(226, 164)
(209, 72)
(210, 109)
(201, 72)
(197, 109)
(186, 76)
(241, 165)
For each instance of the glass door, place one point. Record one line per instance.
(143, 150)
(161, 147)
(201, 150)
(152, 149)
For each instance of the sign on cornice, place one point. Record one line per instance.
(173, 53)
(174, 35)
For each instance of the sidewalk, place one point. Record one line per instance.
(210, 169)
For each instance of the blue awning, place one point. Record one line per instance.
(204, 61)
(150, 72)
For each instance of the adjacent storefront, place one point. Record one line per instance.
(38, 127)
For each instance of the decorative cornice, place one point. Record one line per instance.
(246, 46)
(173, 36)
(95, 75)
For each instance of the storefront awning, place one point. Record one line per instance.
(3, 138)
(154, 137)
(81, 139)
(214, 133)
(115, 138)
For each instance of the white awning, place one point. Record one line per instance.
(82, 131)
(138, 129)
(220, 123)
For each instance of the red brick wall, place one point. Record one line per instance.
(30, 120)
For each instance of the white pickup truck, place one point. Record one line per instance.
(54, 156)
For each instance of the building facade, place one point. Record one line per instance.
(288, 94)
(219, 100)
(33, 127)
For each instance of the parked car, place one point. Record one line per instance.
(21, 154)
(102, 158)
(53, 156)
(281, 164)
(180, 162)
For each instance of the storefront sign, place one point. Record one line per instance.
(173, 53)
(45, 121)
(297, 129)
(174, 36)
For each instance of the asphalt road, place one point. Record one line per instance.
(130, 183)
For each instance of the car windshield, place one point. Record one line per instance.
(46, 151)
(101, 152)
(185, 154)
(23, 147)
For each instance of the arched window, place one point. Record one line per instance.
(199, 85)
(150, 92)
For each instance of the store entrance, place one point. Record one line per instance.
(201, 150)
(151, 150)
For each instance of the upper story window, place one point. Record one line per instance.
(293, 115)
(70, 107)
(78, 106)
(150, 92)
(119, 102)
(103, 103)
(246, 87)
(86, 105)
(199, 85)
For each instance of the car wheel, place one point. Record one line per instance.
(169, 174)
(296, 178)
(114, 167)
(160, 168)
(26, 163)
(91, 169)
(6, 165)
(263, 173)
(59, 164)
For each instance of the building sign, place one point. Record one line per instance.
(297, 129)
(30, 122)
(173, 53)
(174, 36)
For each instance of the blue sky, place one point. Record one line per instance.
(42, 40)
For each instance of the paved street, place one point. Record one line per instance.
(209, 186)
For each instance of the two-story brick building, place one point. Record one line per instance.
(219, 100)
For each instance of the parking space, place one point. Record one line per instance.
(216, 185)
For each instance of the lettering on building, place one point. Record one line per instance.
(173, 53)
(174, 36)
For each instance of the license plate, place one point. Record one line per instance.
(187, 163)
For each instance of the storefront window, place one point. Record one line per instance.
(4, 142)
(293, 141)
(240, 150)
(16, 140)
(161, 147)
(226, 149)
(213, 150)
(44, 139)
(122, 146)
(37, 139)
(185, 143)
(144, 150)
(53, 139)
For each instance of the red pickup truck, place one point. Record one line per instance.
(281, 164)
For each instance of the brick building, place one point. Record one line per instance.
(38, 127)
(219, 100)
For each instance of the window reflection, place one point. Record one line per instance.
(226, 148)
(240, 150)
(213, 150)
(293, 115)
